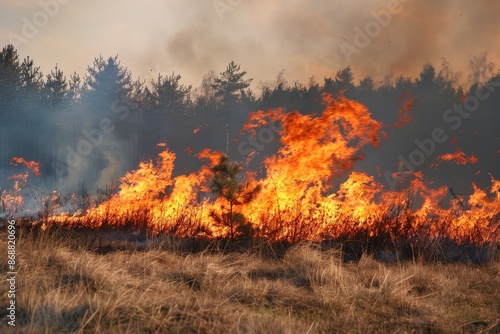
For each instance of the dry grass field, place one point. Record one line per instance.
(65, 286)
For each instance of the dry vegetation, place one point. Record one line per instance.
(66, 286)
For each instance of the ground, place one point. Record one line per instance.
(67, 284)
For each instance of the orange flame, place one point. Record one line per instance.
(458, 157)
(404, 116)
(301, 196)
(32, 165)
(12, 200)
(21, 176)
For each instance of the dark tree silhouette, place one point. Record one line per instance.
(107, 80)
(366, 84)
(56, 87)
(10, 80)
(166, 101)
(230, 83)
(31, 77)
(168, 93)
(344, 80)
(75, 87)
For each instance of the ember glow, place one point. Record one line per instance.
(309, 190)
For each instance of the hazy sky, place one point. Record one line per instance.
(303, 37)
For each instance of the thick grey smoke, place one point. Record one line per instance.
(309, 38)
(305, 38)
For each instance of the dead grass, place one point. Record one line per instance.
(66, 287)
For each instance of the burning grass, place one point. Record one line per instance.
(294, 199)
(67, 284)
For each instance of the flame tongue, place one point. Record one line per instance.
(404, 117)
(458, 157)
(32, 165)
(152, 196)
(315, 149)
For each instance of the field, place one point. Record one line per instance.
(67, 282)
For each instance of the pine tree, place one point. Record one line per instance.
(225, 184)
(75, 87)
(230, 83)
(107, 81)
(10, 81)
(31, 77)
(168, 93)
(56, 87)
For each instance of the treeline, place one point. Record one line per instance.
(93, 128)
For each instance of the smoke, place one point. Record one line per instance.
(306, 38)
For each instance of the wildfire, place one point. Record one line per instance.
(300, 195)
(21, 176)
(32, 165)
(204, 126)
(12, 200)
(404, 116)
(458, 157)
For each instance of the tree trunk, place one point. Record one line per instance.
(231, 220)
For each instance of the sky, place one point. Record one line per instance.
(304, 38)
